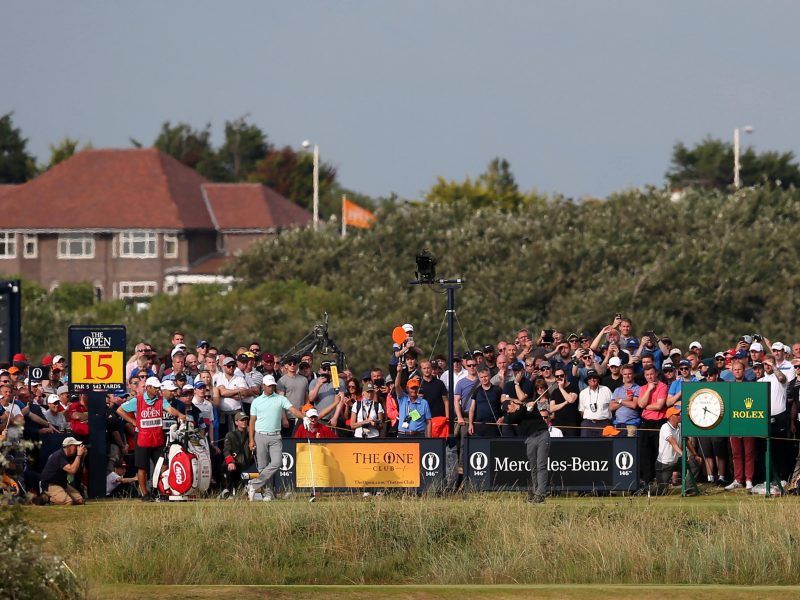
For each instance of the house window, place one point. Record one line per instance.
(137, 244)
(170, 245)
(170, 288)
(136, 289)
(8, 244)
(30, 245)
(76, 245)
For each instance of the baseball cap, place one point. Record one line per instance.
(269, 380)
(20, 358)
(476, 352)
(667, 365)
(58, 358)
(52, 399)
(177, 350)
(614, 361)
(291, 359)
(666, 339)
(756, 347)
(167, 384)
(413, 383)
(70, 441)
(467, 355)
(518, 365)
(154, 382)
(572, 336)
(312, 412)
(632, 343)
(121, 394)
(228, 360)
(239, 416)
(719, 355)
(676, 351)
(62, 389)
(610, 431)
(267, 357)
(758, 365)
(673, 411)
(695, 344)
(47, 360)
(488, 348)
(325, 364)
(408, 328)
(776, 346)
(684, 363)
(242, 357)
(201, 343)
(592, 374)
(368, 387)
(188, 388)
(13, 370)
(199, 384)
(740, 354)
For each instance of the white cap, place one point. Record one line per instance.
(58, 358)
(776, 346)
(269, 380)
(614, 361)
(695, 344)
(408, 327)
(154, 382)
(52, 398)
(180, 348)
(168, 384)
(675, 351)
(787, 349)
(312, 412)
(757, 347)
(188, 388)
(70, 441)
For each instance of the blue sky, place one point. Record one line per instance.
(583, 98)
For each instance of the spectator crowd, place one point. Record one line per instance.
(586, 384)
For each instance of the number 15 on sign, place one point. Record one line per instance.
(98, 367)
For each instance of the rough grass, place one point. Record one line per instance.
(484, 539)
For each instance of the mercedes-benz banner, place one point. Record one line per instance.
(575, 464)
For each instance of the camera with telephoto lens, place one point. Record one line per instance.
(757, 337)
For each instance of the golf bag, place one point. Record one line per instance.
(187, 460)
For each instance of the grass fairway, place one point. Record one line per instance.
(488, 545)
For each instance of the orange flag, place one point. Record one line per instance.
(355, 215)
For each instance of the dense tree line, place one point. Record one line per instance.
(712, 266)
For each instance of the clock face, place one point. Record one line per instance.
(705, 409)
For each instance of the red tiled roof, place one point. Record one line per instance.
(209, 265)
(110, 189)
(252, 206)
(5, 188)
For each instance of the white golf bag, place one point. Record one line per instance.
(188, 464)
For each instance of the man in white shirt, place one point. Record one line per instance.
(54, 414)
(593, 404)
(228, 393)
(458, 373)
(779, 419)
(783, 365)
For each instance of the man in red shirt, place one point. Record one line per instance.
(312, 428)
(78, 416)
(653, 402)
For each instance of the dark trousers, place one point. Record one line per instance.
(782, 450)
(648, 448)
(594, 428)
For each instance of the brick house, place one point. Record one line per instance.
(133, 222)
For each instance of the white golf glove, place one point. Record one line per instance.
(306, 422)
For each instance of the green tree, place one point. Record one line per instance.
(16, 164)
(709, 164)
(496, 187)
(193, 148)
(245, 145)
(62, 151)
(290, 173)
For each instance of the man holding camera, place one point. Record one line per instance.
(59, 466)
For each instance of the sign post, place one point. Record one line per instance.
(727, 409)
(96, 368)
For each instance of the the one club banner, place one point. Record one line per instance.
(355, 215)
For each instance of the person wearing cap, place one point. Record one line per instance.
(367, 414)
(312, 427)
(779, 353)
(414, 414)
(245, 363)
(59, 466)
(743, 449)
(78, 416)
(267, 366)
(148, 410)
(490, 358)
(202, 400)
(266, 413)
(294, 386)
(236, 455)
(612, 379)
(697, 348)
(779, 417)
(399, 350)
(683, 373)
(594, 405)
(653, 404)
(54, 414)
(530, 419)
(117, 485)
(184, 405)
(229, 391)
(670, 452)
(459, 373)
(178, 357)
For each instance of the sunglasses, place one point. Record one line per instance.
(560, 377)
(471, 365)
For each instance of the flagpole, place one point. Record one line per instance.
(344, 224)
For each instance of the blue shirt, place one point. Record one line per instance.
(405, 406)
(130, 405)
(677, 386)
(625, 415)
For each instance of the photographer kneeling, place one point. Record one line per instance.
(61, 463)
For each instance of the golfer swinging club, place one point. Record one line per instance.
(265, 437)
(531, 418)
